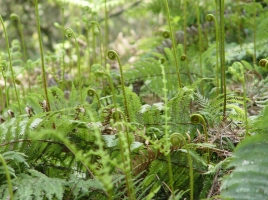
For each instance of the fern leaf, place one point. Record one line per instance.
(249, 179)
(35, 185)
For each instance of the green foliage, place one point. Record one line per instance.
(75, 125)
(248, 179)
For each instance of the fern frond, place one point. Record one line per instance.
(249, 179)
(31, 186)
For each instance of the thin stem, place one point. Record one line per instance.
(191, 172)
(70, 33)
(106, 30)
(4, 68)
(41, 54)
(185, 25)
(245, 105)
(63, 48)
(16, 17)
(200, 44)
(173, 44)
(10, 188)
(112, 55)
(238, 23)
(209, 18)
(166, 118)
(222, 56)
(10, 63)
(254, 34)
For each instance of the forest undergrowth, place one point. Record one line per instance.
(157, 99)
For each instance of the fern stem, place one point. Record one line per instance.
(106, 42)
(16, 17)
(254, 34)
(222, 56)
(166, 127)
(10, 63)
(174, 46)
(10, 188)
(185, 25)
(245, 105)
(112, 55)
(177, 140)
(92, 92)
(41, 54)
(125, 153)
(3, 65)
(185, 59)
(198, 119)
(210, 18)
(237, 15)
(70, 33)
(200, 44)
(63, 47)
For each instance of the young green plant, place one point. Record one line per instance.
(41, 54)
(10, 64)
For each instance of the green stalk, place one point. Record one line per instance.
(10, 63)
(14, 16)
(70, 33)
(63, 48)
(238, 23)
(41, 54)
(173, 44)
(10, 188)
(222, 56)
(200, 44)
(185, 25)
(106, 32)
(177, 141)
(198, 119)
(4, 69)
(166, 127)
(254, 34)
(93, 41)
(211, 18)
(245, 105)
(112, 55)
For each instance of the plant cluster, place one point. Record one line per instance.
(185, 120)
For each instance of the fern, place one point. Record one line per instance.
(31, 186)
(180, 109)
(212, 109)
(249, 178)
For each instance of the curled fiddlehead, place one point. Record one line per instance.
(91, 92)
(210, 18)
(166, 34)
(112, 55)
(199, 119)
(263, 63)
(177, 140)
(69, 33)
(183, 57)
